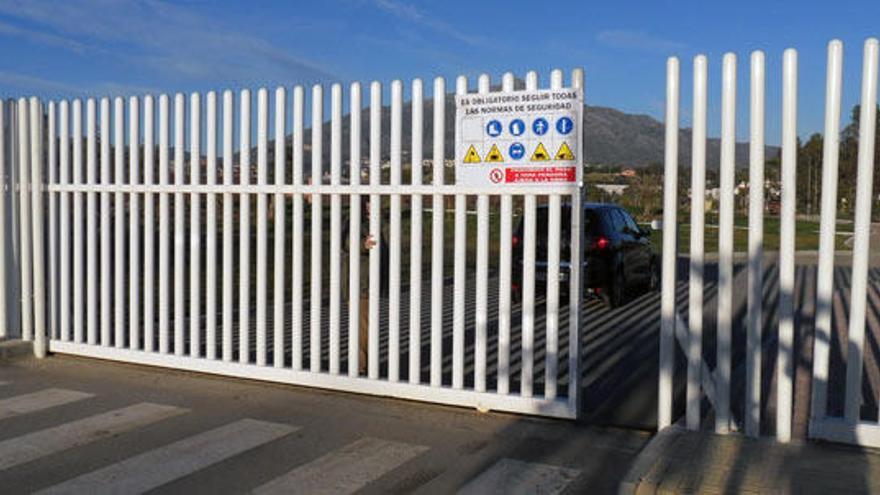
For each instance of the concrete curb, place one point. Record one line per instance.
(642, 475)
(15, 349)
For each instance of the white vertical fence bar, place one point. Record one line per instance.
(482, 277)
(106, 231)
(53, 220)
(195, 234)
(335, 224)
(695, 290)
(316, 237)
(576, 275)
(64, 227)
(25, 225)
(530, 230)
(827, 228)
(179, 240)
(437, 214)
(756, 248)
(394, 238)
(785, 358)
(554, 235)
(211, 227)
(119, 224)
(79, 300)
(670, 252)
(375, 230)
(280, 220)
(228, 207)
(459, 274)
(725, 244)
(262, 222)
(91, 226)
(4, 330)
(505, 257)
(149, 227)
(36, 169)
(27, 328)
(134, 227)
(861, 233)
(164, 220)
(244, 244)
(416, 232)
(354, 231)
(296, 261)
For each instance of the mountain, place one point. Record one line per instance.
(611, 137)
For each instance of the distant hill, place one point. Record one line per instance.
(611, 137)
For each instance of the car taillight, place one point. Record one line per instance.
(515, 241)
(601, 243)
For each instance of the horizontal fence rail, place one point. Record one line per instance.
(224, 233)
(715, 384)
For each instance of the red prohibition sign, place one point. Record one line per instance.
(496, 175)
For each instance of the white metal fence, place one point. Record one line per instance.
(131, 278)
(715, 384)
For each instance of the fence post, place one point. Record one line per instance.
(825, 280)
(4, 325)
(670, 209)
(25, 220)
(756, 248)
(785, 358)
(37, 162)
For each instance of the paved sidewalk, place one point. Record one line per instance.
(681, 461)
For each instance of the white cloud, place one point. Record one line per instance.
(167, 38)
(637, 40)
(412, 14)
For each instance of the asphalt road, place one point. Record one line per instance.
(70, 425)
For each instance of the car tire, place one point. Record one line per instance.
(615, 295)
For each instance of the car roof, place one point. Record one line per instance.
(588, 206)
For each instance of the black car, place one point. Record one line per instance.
(618, 258)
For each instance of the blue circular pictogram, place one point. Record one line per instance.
(517, 127)
(540, 126)
(516, 151)
(564, 125)
(494, 128)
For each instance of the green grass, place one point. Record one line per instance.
(806, 234)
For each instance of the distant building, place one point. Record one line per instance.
(612, 189)
(628, 172)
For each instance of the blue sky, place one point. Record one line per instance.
(71, 48)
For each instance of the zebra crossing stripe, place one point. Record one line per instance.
(37, 401)
(163, 465)
(510, 476)
(32, 446)
(346, 470)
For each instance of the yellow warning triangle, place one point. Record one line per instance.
(540, 154)
(564, 153)
(471, 156)
(494, 155)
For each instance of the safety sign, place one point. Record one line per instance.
(519, 138)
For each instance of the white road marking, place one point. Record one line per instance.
(346, 470)
(3, 383)
(163, 465)
(509, 476)
(32, 446)
(37, 401)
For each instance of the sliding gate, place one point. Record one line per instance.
(811, 360)
(170, 241)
